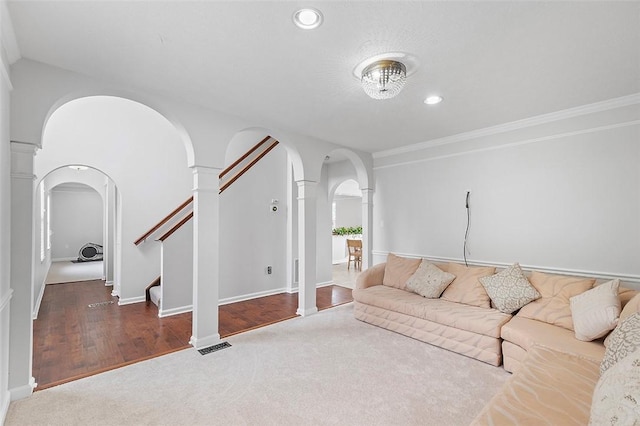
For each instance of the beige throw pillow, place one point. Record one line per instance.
(616, 397)
(624, 340)
(398, 270)
(595, 312)
(429, 280)
(553, 305)
(509, 289)
(466, 288)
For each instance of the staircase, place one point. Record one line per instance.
(175, 233)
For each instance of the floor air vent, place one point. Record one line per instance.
(95, 305)
(214, 348)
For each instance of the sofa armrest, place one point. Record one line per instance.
(370, 277)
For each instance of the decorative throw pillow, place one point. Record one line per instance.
(616, 397)
(595, 312)
(509, 289)
(466, 288)
(429, 280)
(553, 305)
(624, 340)
(398, 270)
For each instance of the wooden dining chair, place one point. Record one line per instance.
(354, 248)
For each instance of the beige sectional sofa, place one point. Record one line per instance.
(555, 373)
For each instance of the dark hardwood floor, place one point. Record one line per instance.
(81, 330)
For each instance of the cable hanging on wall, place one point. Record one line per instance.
(466, 232)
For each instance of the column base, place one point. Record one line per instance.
(23, 391)
(204, 342)
(307, 312)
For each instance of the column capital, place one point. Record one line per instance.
(206, 179)
(24, 147)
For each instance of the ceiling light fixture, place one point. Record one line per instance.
(383, 79)
(307, 18)
(432, 100)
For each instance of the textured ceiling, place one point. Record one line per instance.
(493, 62)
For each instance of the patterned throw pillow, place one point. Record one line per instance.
(429, 280)
(624, 340)
(466, 288)
(509, 290)
(616, 397)
(595, 312)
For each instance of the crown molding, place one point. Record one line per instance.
(515, 125)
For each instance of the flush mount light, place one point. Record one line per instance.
(307, 18)
(383, 76)
(78, 168)
(432, 100)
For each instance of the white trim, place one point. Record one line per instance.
(243, 297)
(318, 285)
(64, 259)
(4, 302)
(513, 144)
(307, 312)
(174, 311)
(36, 309)
(131, 300)
(204, 341)
(23, 391)
(635, 279)
(515, 125)
(108, 283)
(5, 408)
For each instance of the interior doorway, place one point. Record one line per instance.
(346, 224)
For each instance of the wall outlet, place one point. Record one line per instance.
(269, 270)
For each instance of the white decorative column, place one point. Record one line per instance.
(21, 383)
(367, 225)
(307, 247)
(206, 236)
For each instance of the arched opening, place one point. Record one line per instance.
(346, 227)
(128, 143)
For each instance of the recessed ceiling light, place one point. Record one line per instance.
(432, 100)
(307, 18)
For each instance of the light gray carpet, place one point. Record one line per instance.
(326, 369)
(67, 272)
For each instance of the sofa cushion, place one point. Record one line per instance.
(595, 312)
(482, 321)
(630, 308)
(550, 388)
(509, 289)
(624, 340)
(466, 288)
(553, 306)
(429, 280)
(526, 333)
(616, 398)
(399, 270)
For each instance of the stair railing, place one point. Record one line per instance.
(163, 221)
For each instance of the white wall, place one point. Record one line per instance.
(144, 156)
(252, 237)
(348, 211)
(76, 219)
(5, 219)
(562, 195)
(177, 272)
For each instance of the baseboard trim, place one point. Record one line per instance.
(5, 408)
(108, 283)
(23, 391)
(634, 279)
(131, 300)
(174, 311)
(243, 297)
(64, 259)
(318, 285)
(36, 309)
(204, 341)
